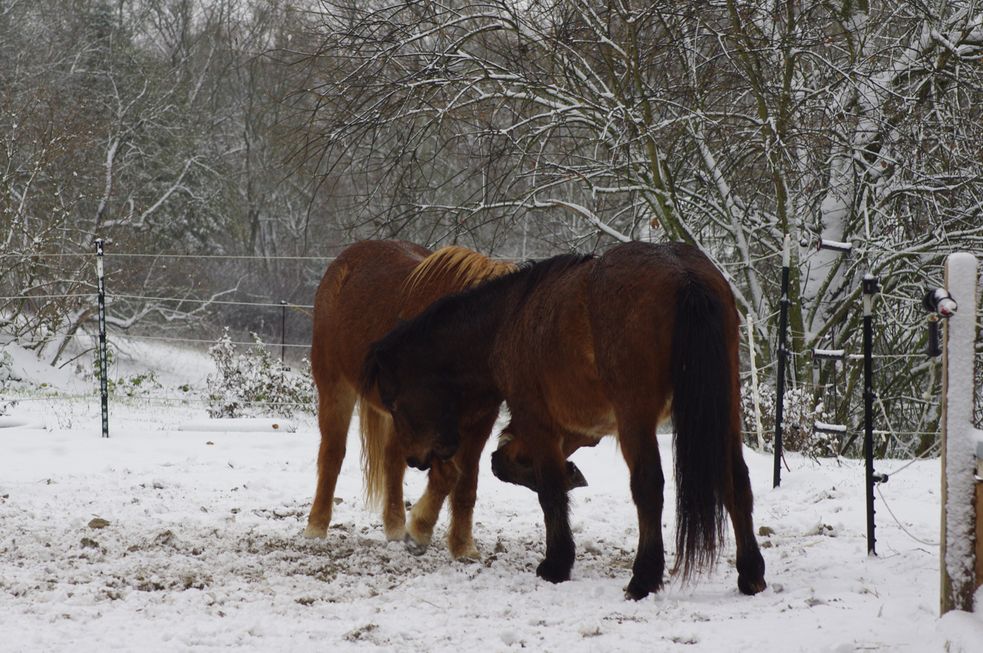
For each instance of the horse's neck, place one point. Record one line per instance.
(466, 336)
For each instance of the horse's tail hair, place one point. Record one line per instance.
(374, 429)
(702, 368)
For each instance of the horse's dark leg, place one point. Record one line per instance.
(641, 451)
(551, 481)
(750, 564)
(336, 400)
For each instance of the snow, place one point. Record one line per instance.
(837, 245)
(829, 428)
(203, 549)
(225, 425)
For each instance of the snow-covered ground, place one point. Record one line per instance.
(199, 547)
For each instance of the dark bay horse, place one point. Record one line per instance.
(364, 292)
(580, 347)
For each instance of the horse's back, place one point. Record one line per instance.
(546, 356)
(632, 304)
(638, 281)
(357, 302)
(369, 262)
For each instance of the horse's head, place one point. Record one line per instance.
(423, 406)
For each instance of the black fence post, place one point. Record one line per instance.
(283, 329)
(870, 288)
(103, 362)
(782, 353)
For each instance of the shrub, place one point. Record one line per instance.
(256, 382)
(6, 380)
(801, 411)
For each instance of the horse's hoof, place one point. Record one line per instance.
(636, 590)
(751, 572)
(470, 557)
(414, 547)
(464, 552)
(751, 587)
(553, 572)
(512, 471)
(396, 534)
(316, 532)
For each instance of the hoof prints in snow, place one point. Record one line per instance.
(350, 564)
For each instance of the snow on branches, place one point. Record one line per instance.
(255, 383)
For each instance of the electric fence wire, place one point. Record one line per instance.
(897, 521)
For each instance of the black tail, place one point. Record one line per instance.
(702, 387)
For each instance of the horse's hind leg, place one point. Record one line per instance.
(336, 400)
(750, 564)
(641, 451)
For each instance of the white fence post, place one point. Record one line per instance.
(962, 492)
(754, 383)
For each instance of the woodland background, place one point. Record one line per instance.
(256, 138)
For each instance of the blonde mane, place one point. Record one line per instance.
(448, 270)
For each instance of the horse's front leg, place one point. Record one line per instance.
(460, 539)
(551, 481)
(442, 477)
(336, 401)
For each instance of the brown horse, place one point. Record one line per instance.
(581, 347)
(364, 292)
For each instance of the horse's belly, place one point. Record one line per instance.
(589, 414)
(595, 429)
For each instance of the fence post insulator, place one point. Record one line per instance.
(940, 302)
(828, 354)
(832, 429)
